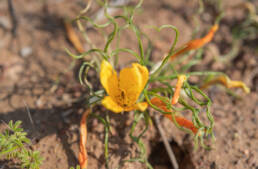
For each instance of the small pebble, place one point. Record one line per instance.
(26, 51)
(67, 113)
(246, 152)
(66, 97)
(5, 22)
(40, 102)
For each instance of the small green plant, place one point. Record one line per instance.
(14, 145)
(147, 85)
(77, 167)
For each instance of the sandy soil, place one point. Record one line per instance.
(36, 80)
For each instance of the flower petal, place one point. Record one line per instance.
(110, 104)
(138, 106)
(141, 106)
(108, 79)
(132, 81)
(144, 74)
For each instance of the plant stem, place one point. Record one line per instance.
(106, 141)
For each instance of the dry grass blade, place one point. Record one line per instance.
(166, 143)
(83, 156)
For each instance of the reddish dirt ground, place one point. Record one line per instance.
(36, 80)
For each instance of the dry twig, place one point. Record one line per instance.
(13, 18)
(166, 143)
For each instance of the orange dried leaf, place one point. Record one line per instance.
(159, 103)
(228, 83)
(73, 38)
(180, 120)
(179, 84)
(183, 122)
(83, 156)
(197, 43)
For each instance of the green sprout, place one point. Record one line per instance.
(14, 145)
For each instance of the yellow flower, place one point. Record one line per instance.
(123, 90)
